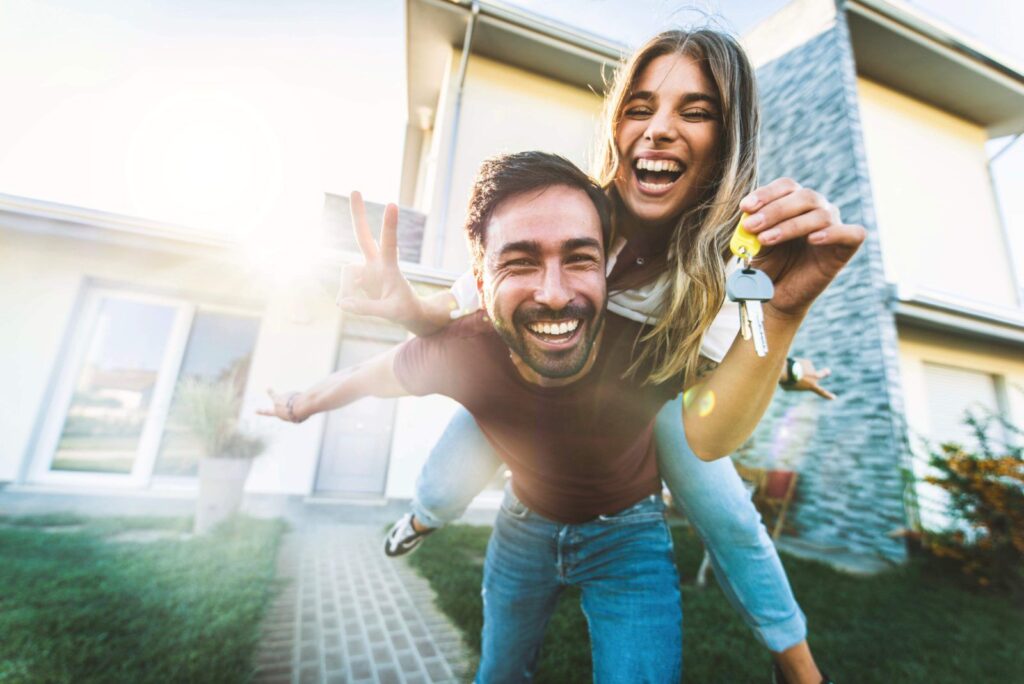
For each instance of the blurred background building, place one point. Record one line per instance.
(885, 110)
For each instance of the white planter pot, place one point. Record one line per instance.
(221, 483)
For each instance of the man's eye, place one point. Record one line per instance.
(581, 259)
(518, 263)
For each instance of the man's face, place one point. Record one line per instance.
(543, 280)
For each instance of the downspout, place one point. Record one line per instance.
(442, 221)
(1011, 248)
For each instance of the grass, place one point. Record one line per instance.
(77, 606)
(917, 623)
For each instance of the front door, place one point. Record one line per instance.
(357, 438)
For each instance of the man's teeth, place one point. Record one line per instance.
(658, 165)
(555, 328)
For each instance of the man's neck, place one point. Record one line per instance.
(533, 377)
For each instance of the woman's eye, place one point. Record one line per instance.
(698, 115)
(638, 111)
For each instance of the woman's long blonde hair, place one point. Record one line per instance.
(699, 242)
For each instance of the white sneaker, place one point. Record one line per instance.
(403, 538)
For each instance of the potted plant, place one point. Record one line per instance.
(210, 410)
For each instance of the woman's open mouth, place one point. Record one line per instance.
(656, 176)
(556, 333)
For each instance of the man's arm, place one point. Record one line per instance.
(374, 378)
(377, 287)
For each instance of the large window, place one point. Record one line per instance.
(113, 415)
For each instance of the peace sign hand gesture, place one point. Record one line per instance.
(377, 287)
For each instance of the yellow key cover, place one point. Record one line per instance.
(743, 244)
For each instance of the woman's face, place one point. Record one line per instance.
(667, 139)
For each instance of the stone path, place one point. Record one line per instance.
(348, 614)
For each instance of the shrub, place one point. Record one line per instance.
(986, 491)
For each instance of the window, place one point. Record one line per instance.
(952, 393)
(219, 350)
(113, 416)
(114, 389)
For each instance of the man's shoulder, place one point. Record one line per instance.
(474, 325)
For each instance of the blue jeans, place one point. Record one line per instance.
(622, 564)
(711, 495)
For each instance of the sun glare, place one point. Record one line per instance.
(206, 160)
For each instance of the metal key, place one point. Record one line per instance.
(750, 287)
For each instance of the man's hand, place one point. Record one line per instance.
(806, 243)
(810, 380)
(280, 408)
(377, 287)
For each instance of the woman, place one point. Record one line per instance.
(678, 157)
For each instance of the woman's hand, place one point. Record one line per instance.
(805, 242)
(810, 380)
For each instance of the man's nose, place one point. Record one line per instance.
(554, 291)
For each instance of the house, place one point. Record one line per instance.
(885, 112)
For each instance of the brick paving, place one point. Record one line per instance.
(348, 614)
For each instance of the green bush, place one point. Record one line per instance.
(986, 491)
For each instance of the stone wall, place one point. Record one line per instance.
(850, 452)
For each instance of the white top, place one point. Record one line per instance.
(640, 304)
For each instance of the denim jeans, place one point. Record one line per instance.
(711, 495)
(623, 566)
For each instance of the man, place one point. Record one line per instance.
(541, 370)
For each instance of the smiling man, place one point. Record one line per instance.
(547, 377)
(541, 369)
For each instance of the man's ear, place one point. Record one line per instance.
(478, 274)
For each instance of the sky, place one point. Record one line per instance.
(235, 116)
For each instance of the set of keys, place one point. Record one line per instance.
(750, 287)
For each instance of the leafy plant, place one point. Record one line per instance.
(210, 410)
(986, 491)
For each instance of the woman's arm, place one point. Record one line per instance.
(374, 378)
(810, 246)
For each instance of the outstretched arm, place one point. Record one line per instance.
(809, 247)
(377, 287)
(374, 378)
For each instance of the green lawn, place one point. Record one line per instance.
(77, 606)
(914, 624)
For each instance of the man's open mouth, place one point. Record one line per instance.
(555, 331)
(657, 175)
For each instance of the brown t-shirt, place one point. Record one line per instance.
(576, 451)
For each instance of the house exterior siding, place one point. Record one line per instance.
(849, 452)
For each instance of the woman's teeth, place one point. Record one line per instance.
(562, 328)
(658, 165)
(657, 174)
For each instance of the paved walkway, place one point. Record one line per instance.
(348, 614)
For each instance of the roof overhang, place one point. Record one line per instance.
(900, 48)
(939, 312)
(44, 218)
(502, 33)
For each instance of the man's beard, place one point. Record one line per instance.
(548, 363)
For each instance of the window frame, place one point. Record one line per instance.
(54, 410)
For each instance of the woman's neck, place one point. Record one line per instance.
(645, 237)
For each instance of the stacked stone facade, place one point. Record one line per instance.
(849, 452)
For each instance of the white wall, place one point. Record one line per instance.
(935, 205)
(43, 276)
(504, 109)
